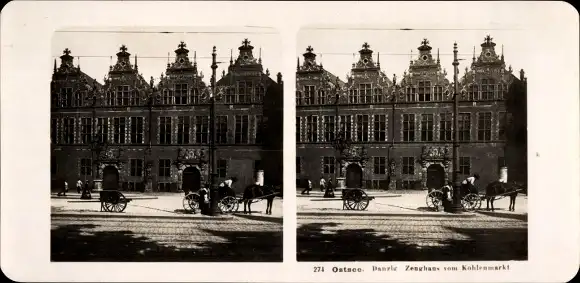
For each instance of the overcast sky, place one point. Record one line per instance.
(396, 46)
(96, 46)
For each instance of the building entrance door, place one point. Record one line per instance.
(435, 176)
(353, 176)
(191, 180)
(110, 178)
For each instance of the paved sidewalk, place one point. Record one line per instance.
(148, 205)
(397, 203)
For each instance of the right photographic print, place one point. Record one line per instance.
(411, 144)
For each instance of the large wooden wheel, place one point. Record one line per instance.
(471, 202)
(228, 204)
(191, 202)
(435, 199)
(114, 201)
(356, 199)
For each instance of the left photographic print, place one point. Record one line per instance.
(166, 145)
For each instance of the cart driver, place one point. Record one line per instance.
(226, 186)
(468, 185)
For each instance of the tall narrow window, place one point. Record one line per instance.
(102, 130)
(408, 127)
(165, 130)
(119, 130)
(164, 167)
(86, 165)
(366, 93)
(502, 122)
(201, 129)
(137, 130)
(181, 94)
(122, 95)
(259, 129)
(445, 127)
(299, 98)
(78, 98)
(378, 95)
(353, 96)
(242, 127)
(298, 133)
(69, 130)
(380, 165)
(328, 162)
(329, 129)
(380, 128)
(136, 167)
(424, 91)
(438, 93)
(309, 94)
(183, 129)
(408, 165)
(222, 168)
(321, 96)
(411, 93)
(167, 98)
(484, 126)
(230, 95)
(242, 91)
(66, 97)
(259, 93)
(487, 89)
(86, 130)
(464, 121)
(312, 128)
(362, 128)
(464, 165)
(196, 96)
(346, 125)
(54, 130)
(473, 92)
(134, 100)
(221, 129)
(427, 127)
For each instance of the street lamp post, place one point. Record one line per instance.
(213, 209)
(456, 206)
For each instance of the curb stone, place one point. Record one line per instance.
(450, 215)
(124, 215)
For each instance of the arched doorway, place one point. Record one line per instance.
(435, 176)
(110, 178)
(353, 176)
(191, 180)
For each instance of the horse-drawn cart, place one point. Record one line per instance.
(228, 201)
(113, 200)
(472, 200)
(355, 199)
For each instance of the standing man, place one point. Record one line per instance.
(308, 188)
(446, 199)
(79, 186)
(468, 185)
(64, 190)
(322, 184)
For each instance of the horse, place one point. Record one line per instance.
(497, 188)
(256, 191)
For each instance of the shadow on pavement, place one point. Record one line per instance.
(506, 215)
(71, 243)
(271, 219)
(315, 244)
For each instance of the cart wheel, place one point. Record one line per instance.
(228, 204)
(471, 202)
(434, 199)
(357, 199)
(191, 202)
(115, 202)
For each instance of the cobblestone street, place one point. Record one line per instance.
(411, 238)
(107, 238)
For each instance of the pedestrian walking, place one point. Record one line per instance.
(64, 190)
(308, 187)
(322, 184)
(79, 186)
(329, 192)
(86, 192)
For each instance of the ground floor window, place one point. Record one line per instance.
(134, 186)
(464, 165)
